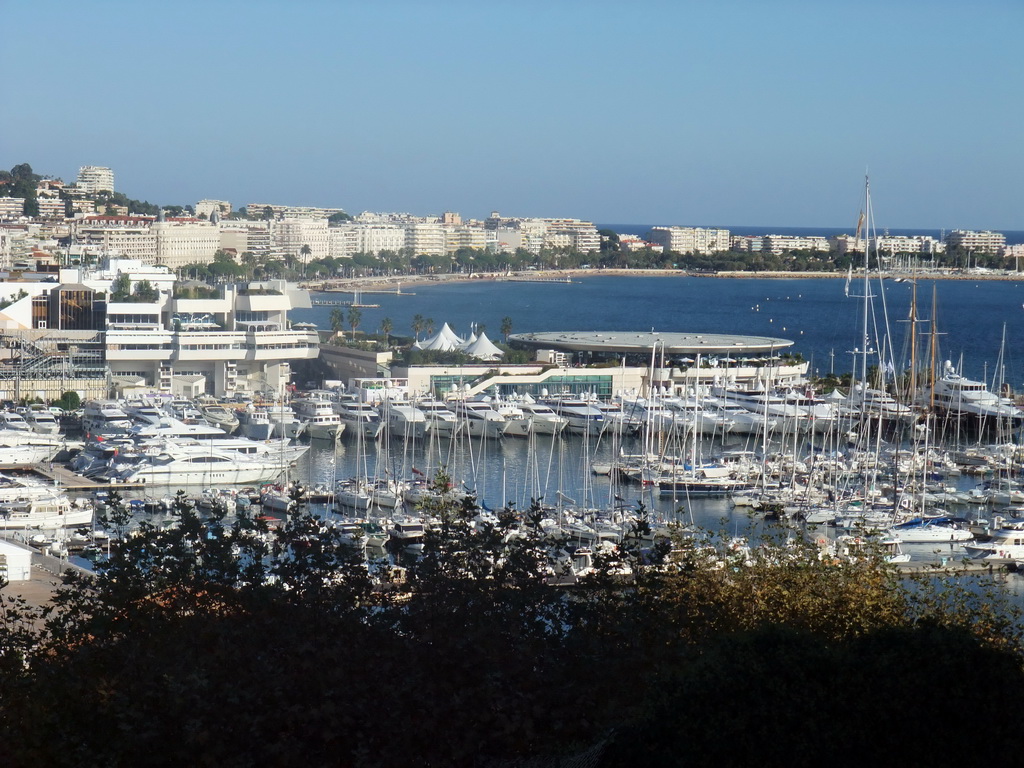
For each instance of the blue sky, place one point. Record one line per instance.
(702, 113)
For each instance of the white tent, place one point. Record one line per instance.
(445, 340)
(483, 348)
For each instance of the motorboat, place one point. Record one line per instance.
(543, 420)
(220, 416)
(255, 424)
(48, 512)
(442, 420)
(1005, 543)
(14, 421)
(105, 418)
(359, 418)
(317, 419)
(404, 420)
(42, 422)
(963, 398)
(582, 415)
(201, 465)
(479, 419)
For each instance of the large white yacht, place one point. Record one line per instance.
(317, 418)
(479, 419)
(583, 416)
(972, 400)
(359, 418)
(404, 420)
(443, 421)
(105, 418)
(543, 420)
(201, 465)
(42, 422)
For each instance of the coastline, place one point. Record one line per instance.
(396, 283)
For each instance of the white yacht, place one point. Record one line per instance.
(105, 418)
(543, 420)
(317, 418)
(404, 420)
(14, 421)
(442, 419)
(219, 415)
(582, 416)
(1006, 543)
(359, 418)
(971, 400)
(479, 419)
(42, 422)
(47, 512)
(201, 465)
(255, 424)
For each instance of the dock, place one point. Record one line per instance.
(958, 567)
(63, 478)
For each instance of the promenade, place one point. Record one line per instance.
(394, 282)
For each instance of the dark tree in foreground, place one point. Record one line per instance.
(221, 641)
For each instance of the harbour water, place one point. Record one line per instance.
(817, 314)
(821, 315)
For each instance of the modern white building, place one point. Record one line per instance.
(93, 179)
(690, 239)
(778, 244)
(187, 340)
(982, 242)
(12, 207)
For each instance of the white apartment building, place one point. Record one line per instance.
(576, 234)
(349, 238)
(983, 242)
(207, 207)
(425, 238)
(51, 207)
(93, 179)
(130, 237)
(241, 236)
(289, 236)
(778, 244)
(180, 242)
(690, 239)
(12, 207)
(290, 211)
(465, 236)
(889, 245)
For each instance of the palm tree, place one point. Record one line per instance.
(418, 323)
(506, 327)
(385, 327)
(430, 325)
(337, 319)
(355, 314)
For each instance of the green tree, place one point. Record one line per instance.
(506, 327)
(337, 319)
(418, 324)
(385, 327)
(355, 316)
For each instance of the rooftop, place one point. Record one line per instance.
(634, 342)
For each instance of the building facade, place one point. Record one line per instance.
(93, 179)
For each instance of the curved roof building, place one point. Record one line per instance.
(673, 344)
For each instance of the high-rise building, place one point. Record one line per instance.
(93, 179)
